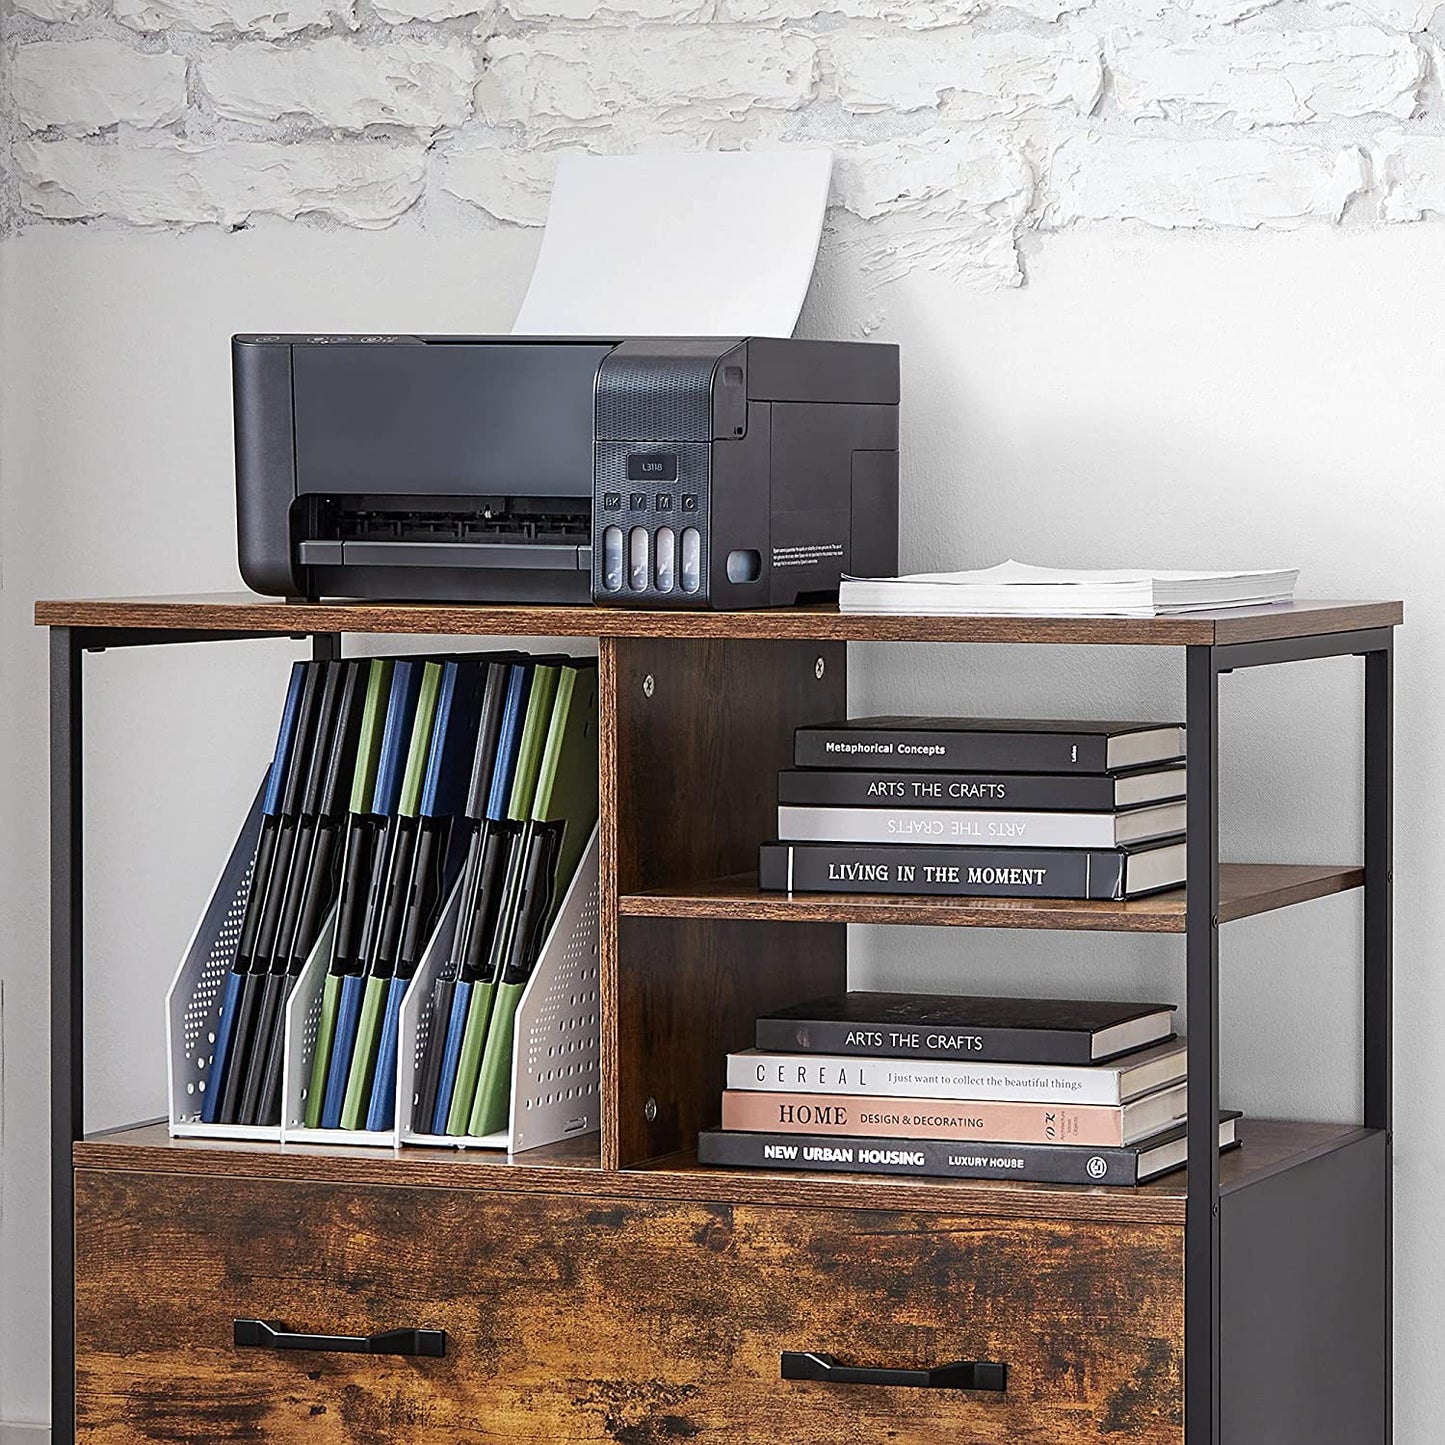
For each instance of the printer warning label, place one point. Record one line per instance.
(808, 556)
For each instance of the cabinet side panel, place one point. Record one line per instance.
(607, 888)
(699, 749)
(694, 733)
(1304, 1302)
(689, 992)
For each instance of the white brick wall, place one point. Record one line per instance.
(959, 125)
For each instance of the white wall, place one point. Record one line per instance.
(1190, 398)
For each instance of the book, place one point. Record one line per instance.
(945, 871)
(981, 827)
(322, 871)
(949, 1026)
(1126, 1165)
(356, 868)
(307, 825)
(355, 1012)
(1015, 589)
(253, 986)
(489, 954)
(563, 816)
(389, 902)
(502, 705)
(1047, 792)
(865, 1076)
(436, 859)
(986, 745)
(995, 1122)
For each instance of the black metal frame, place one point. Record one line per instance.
(1203, 667)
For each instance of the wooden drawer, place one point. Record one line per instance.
(632, 1322)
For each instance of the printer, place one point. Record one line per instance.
(688, 473)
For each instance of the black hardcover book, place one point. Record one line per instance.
(986, 745)
(945, 871)
(949, 1026)
(938, 1159)
(1042, 792)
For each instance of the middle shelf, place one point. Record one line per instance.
(1245, 889)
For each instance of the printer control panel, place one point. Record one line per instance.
(649, 523)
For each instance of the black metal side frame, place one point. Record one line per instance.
(1203, 667)
(68, 645)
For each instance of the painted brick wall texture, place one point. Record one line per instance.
(959, 125)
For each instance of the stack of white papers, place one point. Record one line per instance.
(1014, 589)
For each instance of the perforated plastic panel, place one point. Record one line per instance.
(557, 1088)
(193, 1005)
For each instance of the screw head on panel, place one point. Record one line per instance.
(649, 1110)
(818, 668)
(648, 686)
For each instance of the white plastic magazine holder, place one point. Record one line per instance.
(193, 1005)
(557, 1048)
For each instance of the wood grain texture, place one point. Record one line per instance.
(688, 992)
(1245, 889)
(697, 760)
(1271, 1146)
(245, 611)
(607, 895)
(690, 766)
(608, 1324)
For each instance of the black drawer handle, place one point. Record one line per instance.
(961, 1375)
(273, 1335)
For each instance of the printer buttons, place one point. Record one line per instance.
(691, 559)
(612, 501)
(637, 559)
(689, 501)
(666, 555)
(612, 559)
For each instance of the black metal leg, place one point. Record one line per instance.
(1380, 944)
(1201, 1213)
(67, 1105)
(325, 646)
(1379, 883)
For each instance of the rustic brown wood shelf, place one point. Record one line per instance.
(1245, 889)
(247, 612)
(1270, 1145)
(609, 1288)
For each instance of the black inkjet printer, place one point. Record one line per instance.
(691, 473)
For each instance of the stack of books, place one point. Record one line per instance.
(1041, 1090)
(981, 807)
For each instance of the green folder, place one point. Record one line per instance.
(535, 729)
(565, 797)
(368, 1029)
(363, 783)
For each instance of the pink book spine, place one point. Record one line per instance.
(988, 1123)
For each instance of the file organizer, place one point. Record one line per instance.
(193, 1004)
(557, 1048)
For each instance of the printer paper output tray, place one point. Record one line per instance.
(543, 556)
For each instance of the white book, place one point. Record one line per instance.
(1129, 1078)
(1016, 589)
(963, 827)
